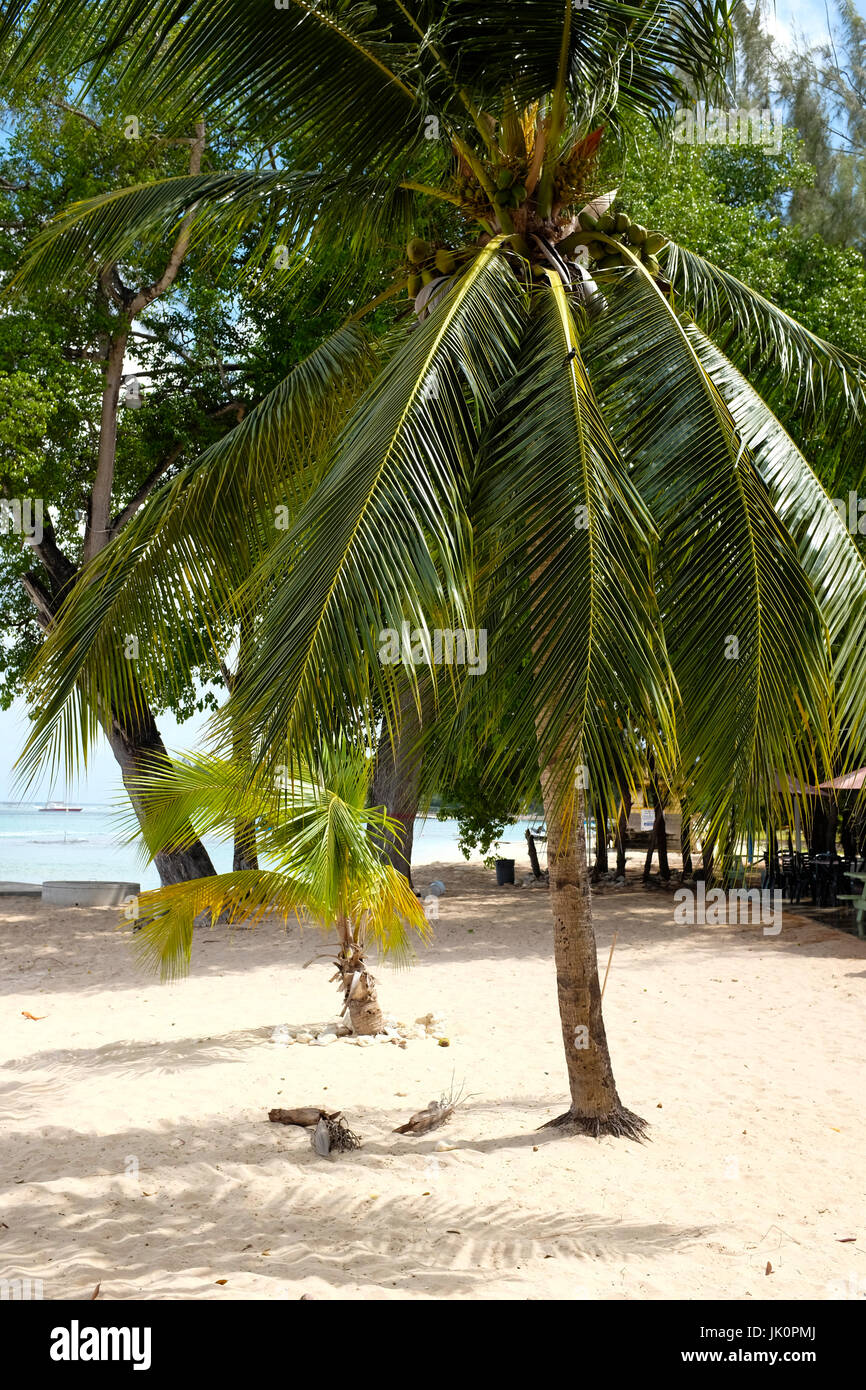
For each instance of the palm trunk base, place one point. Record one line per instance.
(366, 1016)
(363, 1008)
(620, 1123)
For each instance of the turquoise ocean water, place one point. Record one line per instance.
(36, 845)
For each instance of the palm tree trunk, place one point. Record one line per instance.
(245, 855)
(601, 860)
(395, 784)
(137, 749)
(595, 1108)
(359, 991)
(136, 742)
(686, 840)
(622, 833)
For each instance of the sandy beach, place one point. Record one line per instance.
(137, 1152)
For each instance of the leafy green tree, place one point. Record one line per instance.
(559, 455)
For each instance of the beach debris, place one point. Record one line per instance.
(437, 888)
(395, 1031)
(436, 1113)
(35, 1017)
(305, 1115)
(95, 1293)
(333, 1135)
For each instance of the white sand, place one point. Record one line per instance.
(137, 1153)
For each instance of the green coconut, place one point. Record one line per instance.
(587, 221)
(637, 234)
(413, 285)
(654, 243)
(623, 221)
(417, 250)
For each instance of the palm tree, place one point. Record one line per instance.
(322, 844)
(565, 461)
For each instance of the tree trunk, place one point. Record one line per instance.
(595, 1108)
(395, 784)
(134, 748)
(533, 854)
(708, 847)
(622, 833)
(245, 854)
(659, 837)
(686, 840)
(136, 751)
(359, 991)
(601, 860)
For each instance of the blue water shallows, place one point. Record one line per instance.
(35, 845)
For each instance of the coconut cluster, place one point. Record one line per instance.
(427, 263)
(620, 228)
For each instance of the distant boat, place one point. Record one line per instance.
(59, 806)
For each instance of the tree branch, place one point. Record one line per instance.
(74, 111)
(160, 470)
(167, 278)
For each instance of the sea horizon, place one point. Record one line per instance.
(94, 843)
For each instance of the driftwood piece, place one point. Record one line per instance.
(436, 1113)
(306, 1115)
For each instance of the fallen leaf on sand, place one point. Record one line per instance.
(769, 1269)
(95, 1293)
(35, 1017)
(845, 1240)
(221, 1281)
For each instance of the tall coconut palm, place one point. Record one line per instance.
(558, 454)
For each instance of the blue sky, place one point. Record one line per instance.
(789, 18)
(806, 17)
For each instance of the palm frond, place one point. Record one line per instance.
(384, 540)
(170, 578)
(291, 214)
(620, 59)
(565, 553)
(317, 833)
(310, 71)
(744, 632)
(824, 378)
(828, 554)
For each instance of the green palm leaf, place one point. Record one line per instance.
(268, 63)
(384, 540)
(828, 554)
(824, 378)
(745, 635)
(294, 211)
(317, 834)
(170, 577)
(565, 543)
